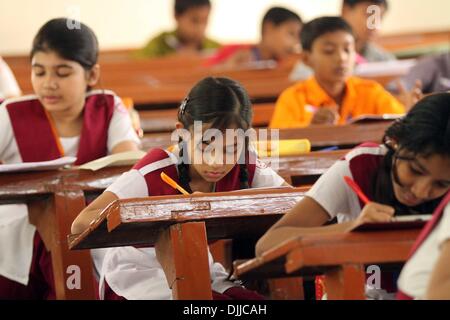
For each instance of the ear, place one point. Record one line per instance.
(93, 76)
(345, 10)
(268, 27)
(179, 125)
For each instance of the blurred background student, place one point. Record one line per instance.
(280, 37)
(189, 37)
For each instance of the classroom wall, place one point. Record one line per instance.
(123, 24)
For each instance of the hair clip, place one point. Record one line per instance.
(183, 105)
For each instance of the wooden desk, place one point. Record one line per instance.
(184, 225)
(154, 121)
(346, 136)
(340, 257)
(54, 199)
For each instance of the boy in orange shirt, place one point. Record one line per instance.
(332, 95)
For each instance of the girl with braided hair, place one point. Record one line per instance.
(214, 105)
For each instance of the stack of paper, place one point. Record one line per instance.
(38, 166)
(119, 159)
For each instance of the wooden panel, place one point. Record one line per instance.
(182, 252)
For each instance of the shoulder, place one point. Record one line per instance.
(366, 150)
(295, 90)
(210, 44)
(154, 160)
(375, 53)
(364, 85)
(108, 96)
(21, 101)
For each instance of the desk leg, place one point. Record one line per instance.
(286, 289)
(73, 270)
(346, 282)
(182, 250)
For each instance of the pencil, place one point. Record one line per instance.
(172, 183)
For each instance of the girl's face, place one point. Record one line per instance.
(192, 24)
(421, 179)
(61, 84)
(214, 157)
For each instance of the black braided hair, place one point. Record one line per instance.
(424, 131)
(221, 102)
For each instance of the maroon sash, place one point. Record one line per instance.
(157, 187)
(37, 138)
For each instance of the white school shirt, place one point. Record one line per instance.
(16, 233)
(341, 202)
(331, 191)
(120, 129)
(8, 84)
(136, 274)
(416, 273)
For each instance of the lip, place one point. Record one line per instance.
(342, 71)
(409, 199)
(213, 174)
(51, 99)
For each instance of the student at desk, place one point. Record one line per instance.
(189, 37)
(64, 117)
(408, 174)
(214, 103)
(332, 95)
(280, 32)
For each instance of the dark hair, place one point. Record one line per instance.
(352, 3)
(279, 15)
(72, 40)
(181, 6)
(221, 102)
(424, 131)
(320, 26)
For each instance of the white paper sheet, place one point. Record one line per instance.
(38, 166)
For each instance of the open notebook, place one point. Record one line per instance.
(398, 223)
(38, 166)
(119, 159)
(375, 118)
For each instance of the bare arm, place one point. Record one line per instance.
(439, 285)
(308, 217)
(92, 211)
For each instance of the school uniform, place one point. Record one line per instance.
(168, 43)
(297, 105)
(373, 53)
(433, 71)
(135, 273)
(341, 202)
(245, 53)
(28, 135)
(416, 273)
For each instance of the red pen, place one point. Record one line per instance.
(352, 184)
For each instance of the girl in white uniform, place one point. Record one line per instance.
(215, 103)
(64, 117)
